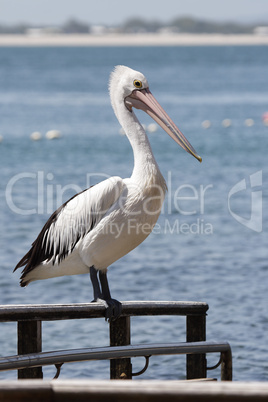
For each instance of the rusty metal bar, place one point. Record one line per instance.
(30, 341)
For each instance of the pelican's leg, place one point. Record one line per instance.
(114, 307)
(95, 283)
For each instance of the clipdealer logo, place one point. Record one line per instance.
(255, 221)
(185, 200)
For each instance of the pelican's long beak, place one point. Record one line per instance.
(144, 100)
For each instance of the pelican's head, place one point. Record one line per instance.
(129, 88)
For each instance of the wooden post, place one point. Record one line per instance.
(30, 341)
(196, 366)
(120, 336)
(226, 366)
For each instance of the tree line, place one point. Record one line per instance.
(139, 25)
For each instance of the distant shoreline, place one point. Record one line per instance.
(133, 40)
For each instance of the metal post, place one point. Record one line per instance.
(30, 341)
(120, 336)
(196, 366)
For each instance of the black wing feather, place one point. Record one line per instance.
(39, 252)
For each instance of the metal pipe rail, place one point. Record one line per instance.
(116, 352)
(30, 317)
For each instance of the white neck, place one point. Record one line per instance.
(145, 169)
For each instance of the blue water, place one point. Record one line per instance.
(203, 249)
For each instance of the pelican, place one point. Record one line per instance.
(103, 223)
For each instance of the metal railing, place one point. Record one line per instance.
(30, 358)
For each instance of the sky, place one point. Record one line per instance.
(113, 12)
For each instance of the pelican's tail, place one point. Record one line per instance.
(24, 261)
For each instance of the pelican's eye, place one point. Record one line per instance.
(137, 83)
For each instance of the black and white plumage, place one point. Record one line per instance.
(103, 223)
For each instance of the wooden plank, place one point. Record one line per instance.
(132, 391)
(227, 366)
(120, 336)
(196, 365)
(29, 341)
(26, 391)
(52, 312)
(168, 391)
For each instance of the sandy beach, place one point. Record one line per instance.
(133, 40)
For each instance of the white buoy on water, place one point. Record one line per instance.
(226, 123)
(249, 122)
(206, 124)
(152, 128)
(53, 134)
(36, 136)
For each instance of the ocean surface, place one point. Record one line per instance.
(210, 243)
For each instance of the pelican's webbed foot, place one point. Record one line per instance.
(113, 310)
